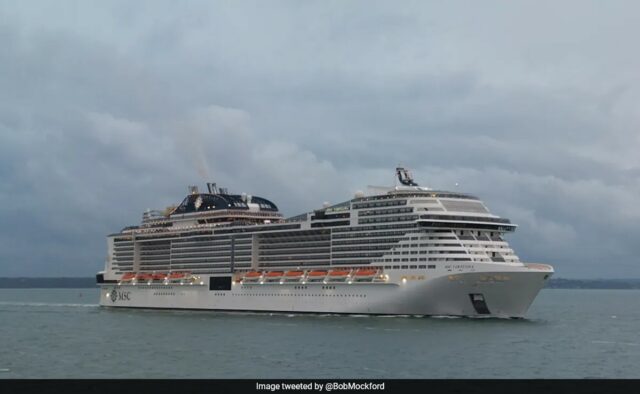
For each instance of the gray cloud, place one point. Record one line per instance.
(106, 110)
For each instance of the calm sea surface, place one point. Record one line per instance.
(62, 333)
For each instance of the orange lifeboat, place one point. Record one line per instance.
(252, 276)
(128, 276)
(292, 276)
(338, 275)
(159, 276)
(317, 273)
(143, 277)
(365, 275)
(365, 272)
(315, 276)
(274, 275)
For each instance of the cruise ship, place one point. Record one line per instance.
(402, 250)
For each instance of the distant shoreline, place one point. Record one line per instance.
(90, 282)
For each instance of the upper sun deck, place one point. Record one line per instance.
(409, 188)
(403, 199)
(417, 191)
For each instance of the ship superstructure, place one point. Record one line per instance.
(407, 250)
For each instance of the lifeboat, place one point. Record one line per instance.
(338, 275)
(144, 277)
(159, 276)
(252, 276)
(292, 276)
(273, 275)
(365, 274)
(315, 276)
(128, 277)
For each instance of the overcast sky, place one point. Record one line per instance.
(110, 108)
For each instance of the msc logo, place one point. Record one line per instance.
(119, 295)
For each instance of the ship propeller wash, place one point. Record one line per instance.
(406, 250)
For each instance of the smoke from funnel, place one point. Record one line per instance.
(190, 142)
(201, 164)
(200, 130)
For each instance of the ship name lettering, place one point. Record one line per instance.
(458, 266)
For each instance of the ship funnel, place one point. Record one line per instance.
(213, 189)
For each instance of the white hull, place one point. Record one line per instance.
(507, 291)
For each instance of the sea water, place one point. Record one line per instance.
(63, 333)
